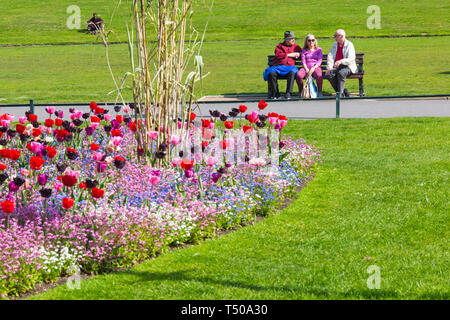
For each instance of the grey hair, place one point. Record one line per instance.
(340, 31)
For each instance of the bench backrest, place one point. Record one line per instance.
(359, 61)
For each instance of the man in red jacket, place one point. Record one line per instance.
(286, 53)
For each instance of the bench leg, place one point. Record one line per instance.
(361, 88)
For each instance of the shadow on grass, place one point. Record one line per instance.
(291, 290)
(444, 72)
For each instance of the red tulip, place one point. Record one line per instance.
(205, 123)
(69, 181)
(14, 154)
(2, 166)
(187, 164)
(58, 122)
(229, 124)
(262, 104)
(119, 118)
(32, 117)
(192, 116)
(94, 146)
(36, 132)
(8, 206)
(97, 193)
(49, 123)
(36, 162)
(242, 108)
(246, 128)
(67, 203)
(133, 126)
(20, 128)
(92, 105)
(95, 119)
(51, 152)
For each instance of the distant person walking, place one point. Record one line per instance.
(286, 53)
(340, 62)
(95, 24)
(312, 60)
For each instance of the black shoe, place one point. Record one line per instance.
(287, 96)
(346, 93)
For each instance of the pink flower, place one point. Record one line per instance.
(57, 185)
(126, 109)
(175, 139)
(22, 120)
(97, 155)
(211, 161)
(152, 135)
(50, 110)
(107, 117)
(24, 172)
(176, 161)
(36, 147)
(109, 160)
(4, 123)
(116, 140)
(95, 125)
(154, 180)
(253, 117)
(272, 120)
(70, 172)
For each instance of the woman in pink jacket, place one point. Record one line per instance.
(311, 59)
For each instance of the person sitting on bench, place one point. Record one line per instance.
(95, 24)
(283, 67)
(340, 63)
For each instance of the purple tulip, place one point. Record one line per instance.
(101, 166)
(42, 179)
(12, 187)
(156, 173)
(215, 177)
(71, 110)
(115, 124)
(188, 173)
(89, 131)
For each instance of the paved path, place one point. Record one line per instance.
(361, 108)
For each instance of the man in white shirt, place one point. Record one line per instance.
(340, 62)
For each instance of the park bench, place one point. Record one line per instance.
(358, 75)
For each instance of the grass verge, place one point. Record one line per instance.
(379, 198)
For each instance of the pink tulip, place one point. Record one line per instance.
(152, 135)
(282, 123)
(272, 120)
(95, 125)
(116, 140)
(97, 155)
(126, 109)
(35, 147)
(24, 172)
(211, 161)
(176, 161)
(154, 180)
(22, 120)
(50, 110)
(57, 186)
(107, 117)
(175, 139)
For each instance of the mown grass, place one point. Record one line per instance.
(80, 73)
(379, 198)
(29, 21)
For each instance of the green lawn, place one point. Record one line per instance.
(379, 198)
(80, 73)
(30, 21)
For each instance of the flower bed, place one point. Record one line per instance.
(74, 193)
